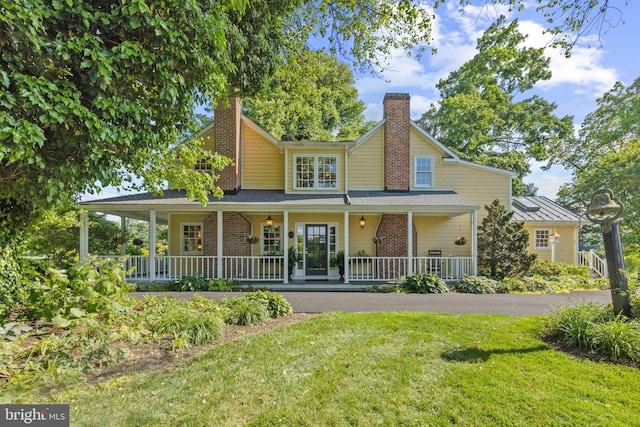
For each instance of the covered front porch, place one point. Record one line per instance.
(248, 237)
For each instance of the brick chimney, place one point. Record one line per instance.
(396, 141)
(226, 137)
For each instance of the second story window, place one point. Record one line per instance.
(423, 171)
(316, 172)
(204, 166)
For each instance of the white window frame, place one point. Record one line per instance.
(182, 238)
(316, 169)
(264, 230)
(537, 239)
(415, 171)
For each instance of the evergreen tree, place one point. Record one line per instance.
(502, 243)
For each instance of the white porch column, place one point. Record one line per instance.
(345, 247)
(123, 233)
(284, 237)
(84, 235)
(219, 245)
(152, 245)
(410, 243)
(474, 243)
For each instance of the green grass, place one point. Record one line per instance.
(411, 369)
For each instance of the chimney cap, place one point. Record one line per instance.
(397, 96)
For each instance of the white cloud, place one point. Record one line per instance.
(582, 69)
(548, 182)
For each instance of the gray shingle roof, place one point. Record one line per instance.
(542, 209)
(434, 200)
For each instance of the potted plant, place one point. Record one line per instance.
(137, 242)
(252, 238)
(460, 240)
(293, 258)
(338, 261)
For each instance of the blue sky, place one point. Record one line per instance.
(595, 65)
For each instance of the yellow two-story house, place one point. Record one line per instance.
(392, 203)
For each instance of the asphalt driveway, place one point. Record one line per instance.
(518, 305)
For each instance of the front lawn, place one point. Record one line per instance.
(411, 369)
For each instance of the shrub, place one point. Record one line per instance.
(540, 285)
(276, 304)
(424, 284)
(572, 324)
(94, 288)
(477, 285)
(617, 338)
(511, 285)
(154, 287)
(194, 283)
(244, 311)
(184, 321)
(220, 285)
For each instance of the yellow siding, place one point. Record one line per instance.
(565, 249)
(436, 232)
(337, 151)
(360, 238)
(262, 162)
(366, 165)
(478, 185)
(208, 140)
(174, 229)
(423, 147)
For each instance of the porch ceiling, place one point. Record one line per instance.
(423, 202)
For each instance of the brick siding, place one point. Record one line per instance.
(226, 137)
(396, 141)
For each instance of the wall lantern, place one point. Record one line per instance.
(362, 221)
(268, 220)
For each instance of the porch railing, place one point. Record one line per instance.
(271, 268)
(596, 264)
(392, 268)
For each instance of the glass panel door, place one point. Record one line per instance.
(316, 257)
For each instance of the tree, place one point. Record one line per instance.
(98, 93)
(57, 236)
(309, 97)
(606, 154)
(483, 114)
(502, 243)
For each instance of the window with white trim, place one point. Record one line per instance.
(271, 240)
(423, 171)
(191, 238)
(541, 238)
(203, 165)
(316, 172)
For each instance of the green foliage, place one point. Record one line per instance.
(12, 282)
(309, 97)
(606, 154)
(187, 323)
(423, 284)
(617, 338)
(571, 324)
(483, 114)
(153, 287)
(193, 283)
(477, 285)
(502, 243)
(94, 288)
(245, 311)
(197, 283)
(12, 330)
(594, 327)
(338, 259)
(276, 304)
